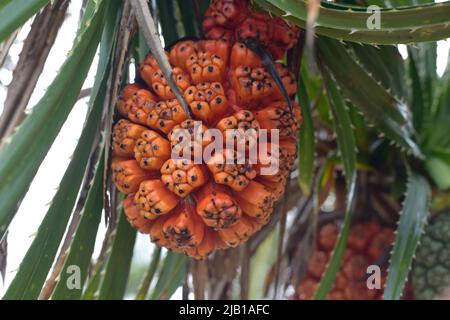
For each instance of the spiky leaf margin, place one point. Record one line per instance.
(23, 153)
(410, 228)
(389, 115)
(347, 147)
(406, 25)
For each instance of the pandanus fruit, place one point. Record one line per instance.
(368, 244)
(193, 205)
(233, 20)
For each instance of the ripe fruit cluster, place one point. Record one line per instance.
(368, 244)
(234, 20)
(190, 207)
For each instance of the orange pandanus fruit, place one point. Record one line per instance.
(368, 244)
(232, 20)
(151, 150)
(191, 188)
(216, 206)
(134, 216)
(207, 101)
(182, 176)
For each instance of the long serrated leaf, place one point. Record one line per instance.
(88, 11)
(261, 264)
(425, 55)
(306, 144)
(329, 276)
(107, 42)
(360, 131)
(22, 155)
(410, 228)
(388, 114)
(347, 147)
(428, 22)
(314, 88)
(82, 247)
(170, 277)
(117, 269)
(422, 63)
(14, 13)
(386, 65)
(344, 131)
(37, 262)
(383, 4)
(394, 108)
(79, 249)
(417, 102)
(93, 284)
(435, 132)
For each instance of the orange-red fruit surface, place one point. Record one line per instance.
(192, 206)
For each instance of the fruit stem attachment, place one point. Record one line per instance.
(147, 25)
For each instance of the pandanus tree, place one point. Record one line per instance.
(363, 149)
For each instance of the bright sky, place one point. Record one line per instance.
(35, 204)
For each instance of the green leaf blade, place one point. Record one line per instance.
(344, 132)
(306, 143)
(418, 23)
(190, 24)
(329, 276)
(35, 266)
(82, 247)
(118, 266)
(386, 66)
(388, 114)
(170, 276)
(410, 228)
(347, 148)
(15, 13)
(166, 13)
(22, 155)
(153, 265)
